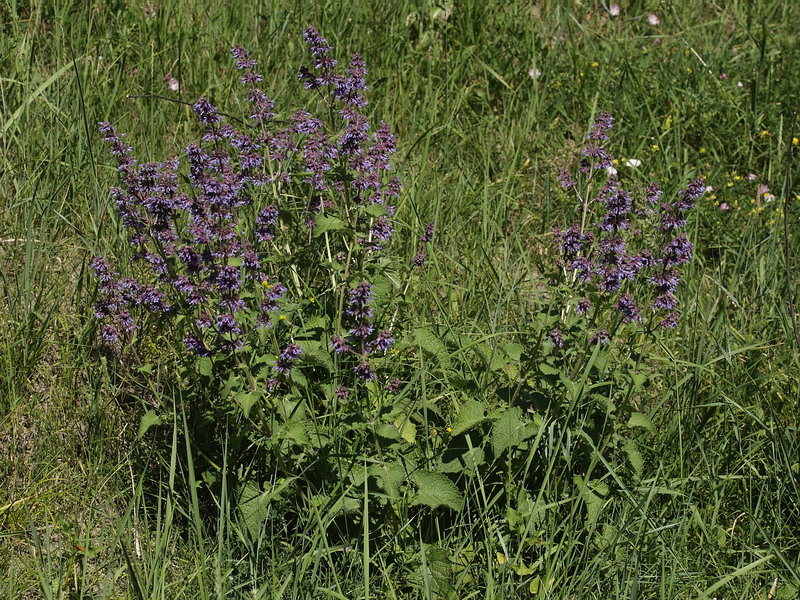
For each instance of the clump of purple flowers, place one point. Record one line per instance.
(629, 257)
(211, 256)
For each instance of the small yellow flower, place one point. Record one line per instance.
(282, 317)
(764, 133)
(266, 284)
(615, 161)
(729, 184)
(795, 141)
(434, 433)
(689, 70)
(737, 177)
(448, 429)
(654, 146)
(714, 197)
(687, 52)
(702, 150)
(580, 74)
(595, 64)
(312, 299)
(557, 84)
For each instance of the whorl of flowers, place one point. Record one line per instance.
(202, 249)
(362, 341)
(632, 253)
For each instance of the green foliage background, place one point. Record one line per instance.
(707, 505)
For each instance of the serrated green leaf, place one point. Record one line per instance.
(296, 432)
(548, 369)
(205, 366)
(434, 490)
(149, 419)
(642, 421)
(407, 429)
(509, 430)
(469, 415)
(593, 495)
(465, 462)
(390, 477)
(432, 345)
(325, 223)
(375, 210)
(635, 457)
(513, 351)
(246, 401)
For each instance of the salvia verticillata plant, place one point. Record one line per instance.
(621, 263)
(278, 219)
(261, 271)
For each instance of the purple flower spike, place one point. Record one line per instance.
(428, 235)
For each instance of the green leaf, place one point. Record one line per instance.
(205, 366)
(375, 210)
(465, 462)
(593, 494)
(434, 490)
(430, 343)
(407, 429)
(254, 503)
(509, 430)
(634, 457)
(513, 351)
(246, 401)
(469, 415)
(390, 477)
(326, 223)
(149, 419)
(642, 421)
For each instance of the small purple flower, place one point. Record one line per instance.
(601, 336)
(583, 307)
(418, 260)
(383, 341)
(601, 126)
(666, 282)
(271, 384)
(565, 179)
(654, 194)
(339, 344)
(557, 337)
(665, 301)
(196, 345)
(342, 392)
(226, 323)
(319, 48)
(364, 372)
(286, 359)
(206, 112)
(670, 321)
(394, 385)
(109, 333)
(627, 307)
(228, 279)
(382, 229)
(264, 222)
(677, 252)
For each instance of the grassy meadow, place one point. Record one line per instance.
(487, 99)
